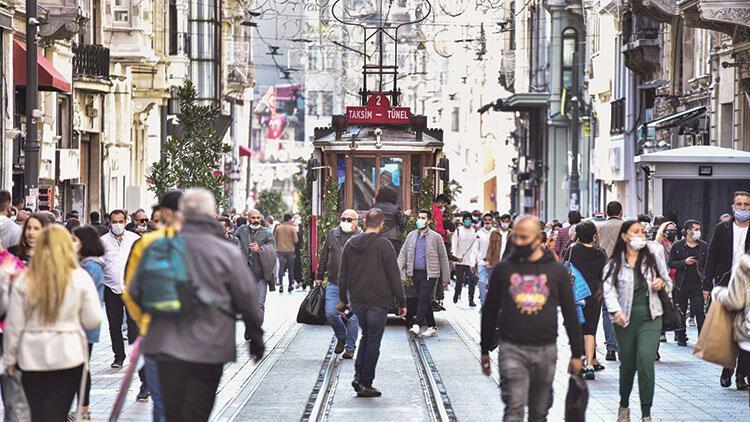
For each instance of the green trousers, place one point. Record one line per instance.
(637, 344)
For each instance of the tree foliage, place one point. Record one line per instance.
(304, 186)
(270, 203)
(190, 159)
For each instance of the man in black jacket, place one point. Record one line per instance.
(527, 289)
(370, 280)
(688, 257)
(728, 243)
(345, 329)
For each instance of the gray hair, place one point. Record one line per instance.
(198, 201)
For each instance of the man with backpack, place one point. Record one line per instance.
(168, 204)
(190, 363)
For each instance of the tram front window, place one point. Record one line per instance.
(391, 176)
(364, 175)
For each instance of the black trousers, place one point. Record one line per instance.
(50, 393)
(694, 295)
(188, 389)
(465, 276)
(286, 264)
(424, 300)
(115, 309)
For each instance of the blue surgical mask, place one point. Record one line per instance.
(421, 224)
(742, 215)
(468, 223)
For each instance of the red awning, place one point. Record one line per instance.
(245, 151)
(49, 78)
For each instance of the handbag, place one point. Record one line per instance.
(671, 318)
(577, 399)
(14, 398)
(716, 342)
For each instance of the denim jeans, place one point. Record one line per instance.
(286, 265)
(526, 374)
(152, 382)
(609, 333)
(372, 321)
(345, 329)
(262, 293)
(424, 300)
(484, 278)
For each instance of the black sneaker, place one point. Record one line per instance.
(339, 347)
(143, 394)
(348, 354)
(369, 392)
(682, 342)
(611, 355)
(455, 299)
(726, 377)
(742, 385)
(117, 364)
(281, 290)
(356, 384)
(663, 338)
(472, 304)
(598, 367)
(588, 373)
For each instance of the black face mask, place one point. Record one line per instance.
(671, 235)
(523, 251)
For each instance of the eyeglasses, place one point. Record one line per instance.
(348, 219)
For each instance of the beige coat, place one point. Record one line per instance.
(736, 297)
(35, 345)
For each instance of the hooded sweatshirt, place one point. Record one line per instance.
(369, 272)
(527, 294)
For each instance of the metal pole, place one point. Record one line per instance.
(575, 190)
(31, 146)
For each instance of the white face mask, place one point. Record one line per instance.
(637, 243)
(117, 229)
(696, 235)
(346, 226)
(504, 226)
(254, 225)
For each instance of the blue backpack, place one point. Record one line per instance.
(164, 283)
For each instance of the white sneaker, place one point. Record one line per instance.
(430, 332)
(414, 330)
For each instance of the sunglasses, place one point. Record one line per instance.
(348, 219)
(142, 220)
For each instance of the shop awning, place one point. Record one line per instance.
(221, 124)
(245, 151)
(49, 78)
(676, 118)
(526, 101)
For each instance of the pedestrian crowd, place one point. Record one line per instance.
(163, 281)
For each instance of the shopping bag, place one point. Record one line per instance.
(313, 308)
(135, 354)
(14, 398)
(716, 342)
(577, 399)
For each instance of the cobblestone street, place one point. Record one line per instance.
(279, 388)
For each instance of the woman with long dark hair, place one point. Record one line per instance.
(31, 229)
(590, 260)
(90, 249)
(635, 273)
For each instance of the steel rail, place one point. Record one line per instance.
(436, 396)
(321, 399)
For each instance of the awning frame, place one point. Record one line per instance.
(676, 118)
(50, 79)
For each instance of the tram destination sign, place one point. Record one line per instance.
(378, 111)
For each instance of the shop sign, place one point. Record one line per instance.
(378, 111)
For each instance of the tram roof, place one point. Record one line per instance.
(392, 139)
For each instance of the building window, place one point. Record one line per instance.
(702, 53)
(595, 34)
(312, 103)
(121, 12)
(327, 104)
(455, 119)
(569, 48)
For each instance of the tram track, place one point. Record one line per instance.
(276, 346)
(471, 343)
(321, 399)
(436, 397)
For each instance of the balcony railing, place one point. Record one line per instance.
(179, 43)
(90, 61)
(617, 118)
(636, 26)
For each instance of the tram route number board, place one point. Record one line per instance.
(378, 111)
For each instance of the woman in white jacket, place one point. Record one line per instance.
(50, 305)
(736, 297)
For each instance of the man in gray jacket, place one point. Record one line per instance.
(424, 258)
(345, 329)
(191, 350)
(259, 250)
